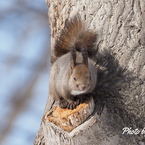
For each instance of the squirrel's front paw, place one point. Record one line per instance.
(72, 105)
(63, 104)
(80, 100)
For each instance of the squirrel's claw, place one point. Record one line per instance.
(80, 99)
(72, 105)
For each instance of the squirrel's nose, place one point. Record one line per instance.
(83, 87)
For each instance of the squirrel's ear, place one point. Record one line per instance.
(85, 57)
(73, 58)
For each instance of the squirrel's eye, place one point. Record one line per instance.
(75, 79)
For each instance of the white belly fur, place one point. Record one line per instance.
(74, 92)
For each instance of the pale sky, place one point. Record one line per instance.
(21, 52)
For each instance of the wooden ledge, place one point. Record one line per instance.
(68, 119)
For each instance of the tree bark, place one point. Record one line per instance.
(120, 26)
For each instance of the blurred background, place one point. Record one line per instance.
(24, 69)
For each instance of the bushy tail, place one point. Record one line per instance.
(75, 35)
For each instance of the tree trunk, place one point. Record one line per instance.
(120, 26)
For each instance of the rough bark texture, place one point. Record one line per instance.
(120, 25)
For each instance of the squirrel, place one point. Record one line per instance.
(73, 75)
